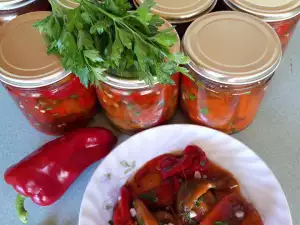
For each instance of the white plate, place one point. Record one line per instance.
(258, 183)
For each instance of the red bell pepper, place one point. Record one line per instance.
(48, 172)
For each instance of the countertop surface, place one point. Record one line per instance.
(274, 136)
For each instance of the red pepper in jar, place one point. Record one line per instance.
(46, 174)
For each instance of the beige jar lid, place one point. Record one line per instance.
(130, 84)
(180, 11)
(13, 4)
(232, 48)
(23, 54)
(268, 10)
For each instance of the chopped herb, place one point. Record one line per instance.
(198, 201)
(137, 113)
(187, 219)
(29, 115)
(37, 124)
(48, 109)
(130, 106)
(74, 96)
(150, 196)
(247, 93)
(220, 223)
(192, 97)
(100, 36)
(203, 162)
(204, 111)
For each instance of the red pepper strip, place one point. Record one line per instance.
(48, 172)
(184, 163)
(225, 210)
(194, 159)
(122, 214)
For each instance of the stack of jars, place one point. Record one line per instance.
(233, 57)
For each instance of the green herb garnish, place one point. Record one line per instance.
(204, 111)
(104, 36)
(220, 223)
(149, 196)
(198, 201)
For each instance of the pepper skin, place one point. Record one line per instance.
(47, 173)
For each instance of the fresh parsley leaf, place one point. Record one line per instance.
(198, 201)
(101, 37)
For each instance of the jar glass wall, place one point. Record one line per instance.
(282, 16)
(133, 110)
(223, 107)
(56, 108)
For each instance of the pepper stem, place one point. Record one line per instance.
(21, 211)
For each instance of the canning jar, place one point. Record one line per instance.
(282, 15)
(132, 105)
(233, 57)
(181, 13)
(52, 99)
(10, 9)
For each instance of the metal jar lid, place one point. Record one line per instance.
(268, 10)
(67, 4)
(132, 84)
(13, 4)
(232, 48)
(23, 55)
(179, 11)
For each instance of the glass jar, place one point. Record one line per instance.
(233, 57)
(282, 15)
(181, 13)
(10, 9)
(132, 105)
(53, 100)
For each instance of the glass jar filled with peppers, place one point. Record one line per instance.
(181, 13)
(53, 100)
(282, 15)
(233, 57)
(10, 9)
(132, 105)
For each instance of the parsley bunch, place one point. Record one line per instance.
(104, 36)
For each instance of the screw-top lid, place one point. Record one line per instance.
(13, 4)
(232, 48)
(23, 55)
(268, 10)
(67, 4)
(179, 11)
(123, 83)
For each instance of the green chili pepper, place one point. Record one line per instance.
(21, 211)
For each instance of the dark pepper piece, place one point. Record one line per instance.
(48, 172)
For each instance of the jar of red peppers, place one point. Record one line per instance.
(53, 100)
(132, 105)
(181, 13)
(282, 15)
(10, 9)
(233, 57)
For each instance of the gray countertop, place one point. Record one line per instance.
(274, 135)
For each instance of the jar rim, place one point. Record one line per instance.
(246, 49)
(24, 61)
(268, 14)
(181, 14)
